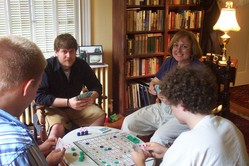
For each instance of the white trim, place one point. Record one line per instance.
(85, 26)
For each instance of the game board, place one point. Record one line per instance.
(110, 149)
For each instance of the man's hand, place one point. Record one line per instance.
(47, 146)
(55, 157)
(80, 104)
(139, 156)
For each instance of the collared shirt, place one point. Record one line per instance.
(17, 146)
(55, 83)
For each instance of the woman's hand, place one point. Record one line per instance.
(154, 81)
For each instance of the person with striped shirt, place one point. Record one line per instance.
(21, 64)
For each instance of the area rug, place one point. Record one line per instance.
(239, 108)
(239, 100)
(242, 124)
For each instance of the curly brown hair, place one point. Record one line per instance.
(193, 87)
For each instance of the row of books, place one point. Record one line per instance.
(144, 2)
(184, 2)
(145, 44)
(142, 66)
(185, 19)
(144, 20)
(139, 96)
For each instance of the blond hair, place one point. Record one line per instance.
(20, 60)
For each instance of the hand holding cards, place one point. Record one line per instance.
(84, 95)
(60, 144)
(141, 147)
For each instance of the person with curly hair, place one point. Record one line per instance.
(211, 140)
(184, 50)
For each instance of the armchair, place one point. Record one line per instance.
(39, 125)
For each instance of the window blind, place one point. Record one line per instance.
(39, 20)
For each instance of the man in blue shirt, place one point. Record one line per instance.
(62, 82)
(21, 65)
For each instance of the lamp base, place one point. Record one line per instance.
(225, 39)
(224, 58)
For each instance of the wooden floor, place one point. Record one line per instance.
(239, 110)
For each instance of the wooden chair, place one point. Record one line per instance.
(28, 119)
(41, 123)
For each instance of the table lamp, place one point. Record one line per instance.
(226, 22)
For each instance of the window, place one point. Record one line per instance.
(40, 20)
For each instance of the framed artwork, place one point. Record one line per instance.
(91, 54)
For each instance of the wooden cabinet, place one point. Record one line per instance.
(142, 30)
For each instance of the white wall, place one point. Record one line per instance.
(238, 46)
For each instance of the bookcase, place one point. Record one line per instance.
(142, 30)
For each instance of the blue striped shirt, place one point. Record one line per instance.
(17, 146)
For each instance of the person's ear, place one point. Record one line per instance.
(55, 52)
(27, 86)
(182, 107)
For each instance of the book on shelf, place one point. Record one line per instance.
(142, 66)
(144, 20)
(142, 95)
(130, 97)
(144, 2)
(139, 95)
(184, 2)
(145, 43)
(187, 19)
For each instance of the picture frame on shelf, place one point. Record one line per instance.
(92, 54)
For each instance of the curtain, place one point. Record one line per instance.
(210, 42)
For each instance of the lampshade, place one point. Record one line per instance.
(227, 20)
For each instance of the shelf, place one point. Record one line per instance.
(139, 7)
(142, 76)
(141, 34)
(144, 32)
(160, 54)
(182, 7)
